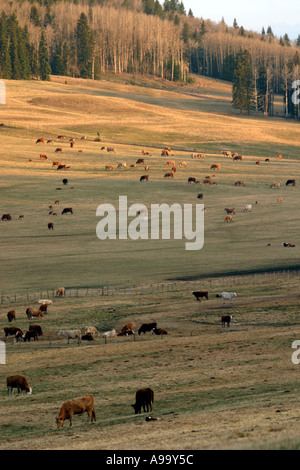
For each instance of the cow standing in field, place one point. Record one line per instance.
(228, 296)
(200, 294)
(77, 406)
(34, 313)
(11, 315)
(12, 331)
(60, 292)
(144, 178)
(226, 319)
(19, 382)
(146, 327)
(143, 398)
(70, 334)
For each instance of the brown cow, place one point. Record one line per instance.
(230, 211)
(239, 183)
(170, 163)
(37, 329)
(40, 141)
(200, 294)
(228, 218)
(128, 329)
(60, 137)
(146, 327)
(140, 161)
(110, 149)
(19, 382)
(61, 291)
(164, 153)
(215, 166)
(144, 178)
(11, 331)
(11, 316)
(159, 331)
(192, 180)
(76, 406)
(42, 156)
(109, 167)
(226, 319)
(34, 313)
(6, 217)
(58, 149)
(237, 157)
(143, 398)
(169, 175)
(51, 225)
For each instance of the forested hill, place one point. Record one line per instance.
(86, 38)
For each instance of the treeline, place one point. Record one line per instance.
(86, 38)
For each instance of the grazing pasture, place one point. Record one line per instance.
(214, 387)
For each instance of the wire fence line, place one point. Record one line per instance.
(222, 282)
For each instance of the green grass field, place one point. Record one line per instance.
(214, 388)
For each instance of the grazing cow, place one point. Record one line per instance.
(290, 182)
(30, 334)
(238, 157)
(71, 144)
(70, 334)
(19, 382)
(50, 141)
(144, 178)
(43, 157)
(275, 185)
(43, 307)
(159, 331)
(60, 292)
(288, 245)
(169, 175)
(91, 330)
(247, 208)
(40, 141)
(122, 165)
(164, 153)
(109, 167)
(109, 334)
(206, 181)
(192, 180)
(147, 168)
(51, 226)
(57, 202)
(37, 329)
(228, 296)
(83, 137)
(45, 301)
(6, 217)
(110, 149)
(128, 329)
(140, 161)
(60, 137)
(226, 153)
(228, 218)
(77, 406)
(66, 210)
(215, 166)
(133, 166)
(267, 160)
(279, 156)
(226, 319)
(239, 183)
(170, 163)
(257, 162)
(144, 152)
(11, 316)
(181, 164)
(146, 327)
(21, 216)
(11, 331)
(58, 149)
(200, 196)
(143, 398)
(230, 211)
(200, 294)
(56, 164)
(87, 337)
(18, 336)
(34, 313)
(279, 199)
(65, 181)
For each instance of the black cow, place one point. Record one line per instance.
(67, 209)
(147, 327)
(143, 398)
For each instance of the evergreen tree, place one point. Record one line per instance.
(5, 61)
(243, 85)
(44, 66)
(85, 47)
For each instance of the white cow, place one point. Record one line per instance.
(45, 302)
(110, 334)
(70, 334)
(122, 165)
(228, 296)
(92, 330)
(247, 208)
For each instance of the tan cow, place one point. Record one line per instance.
(228, 218)
(77, 406)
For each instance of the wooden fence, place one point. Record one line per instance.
(216, 283)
